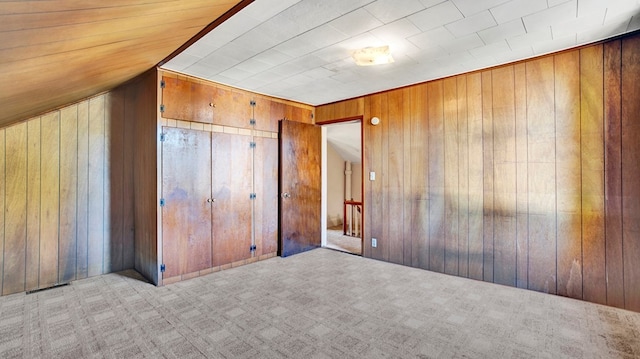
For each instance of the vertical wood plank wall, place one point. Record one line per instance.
(65, 186)
(526, 175)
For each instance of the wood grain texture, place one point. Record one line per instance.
(451, 166)
(15, 209)
(394, 179)
(114, 186)
(373, 160)
(340, 110)
(266, 175)
(631, 170)
(82, 220)
(436, 177)
(522, 196)
(613, 173)
(33, 204)
(186, 215)
(3, 177)
(384, 241)
(68, 194)
(144, 100)
(42, 38)
(407, 203)
(476, 176)
(542, 175)
(504, 175)
(96, 198)
(592, 160)
(50, 200)
(231, 185)
(300, 177)
(568, 166)
(419, 193)
(463, 178)
(545, 164)
(488, 178)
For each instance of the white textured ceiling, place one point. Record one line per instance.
(301, 49)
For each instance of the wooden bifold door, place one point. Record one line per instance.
(206, 203)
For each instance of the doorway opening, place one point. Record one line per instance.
(342, 190)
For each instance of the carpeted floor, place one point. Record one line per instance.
(337, 240)
(318, 304)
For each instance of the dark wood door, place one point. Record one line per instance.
(299, 187)
(186, 189)
(231, 187)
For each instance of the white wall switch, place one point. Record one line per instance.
(372, 176)
(374, 242)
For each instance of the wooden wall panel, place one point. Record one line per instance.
(436, 177)
(340, 110)
(476, 176)
(82, 230)
(142, 99)
(68, 194)
(504, 172)
(530, 169)
(3, 183)
(451, 166)
(407, 203)
(50, 199)
(96, 198)
(613, 173)
(33, 204)
(394, 178)
(631, 170)
(419, 193)
(383, 243)
(463, 178)
(373, 158)
(568, 184)
(542, 175)
(592, 161)
(57, 158)
(488, 190)
(522, 189)
(15, 209)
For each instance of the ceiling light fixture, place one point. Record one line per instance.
(372, 56)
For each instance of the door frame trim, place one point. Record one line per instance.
(323, 173)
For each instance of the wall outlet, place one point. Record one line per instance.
(374, 242)
(372, 176)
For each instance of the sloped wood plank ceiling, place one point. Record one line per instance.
(56, 52)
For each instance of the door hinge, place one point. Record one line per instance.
(252, 103)
(162, 268)
(252, 248)
(252, 196)
(162, 202)
(252, 144)
(252, 122)
(161, 108)
(162, 84)
(163, 136)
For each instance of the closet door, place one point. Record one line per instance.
(186, 190)
(300, 191)
(231, 179)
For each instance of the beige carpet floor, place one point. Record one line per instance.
(319, 304)
(337, 240)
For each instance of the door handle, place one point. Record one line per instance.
(285, 195)
(211, 200)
